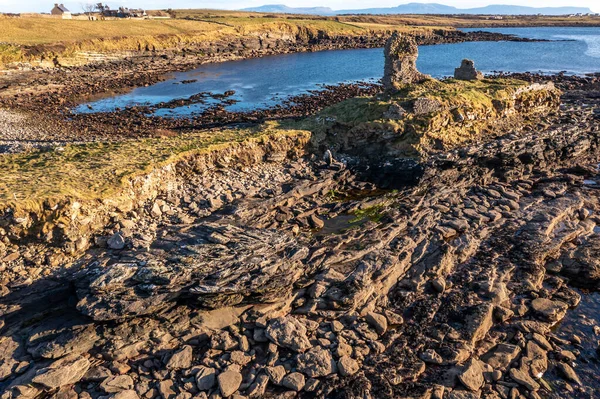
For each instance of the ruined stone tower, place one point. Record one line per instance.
(467, 71)
(401, 54)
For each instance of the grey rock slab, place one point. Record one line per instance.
(253, 266)
(206, 378)
(70, 341)
(548, 309)
(117, 384)
(522, 377)
(478, 321)
(502, 356)
(472, 375)
(62, 372)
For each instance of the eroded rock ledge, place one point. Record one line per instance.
(308, 281)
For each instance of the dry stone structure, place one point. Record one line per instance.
(401, 54)
(467, 71)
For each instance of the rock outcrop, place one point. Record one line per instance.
(467, 71)
(226, 286)
(401, 52)
(436, 116)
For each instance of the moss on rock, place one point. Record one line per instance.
(421, 119)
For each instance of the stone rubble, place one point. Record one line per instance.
(227, 285)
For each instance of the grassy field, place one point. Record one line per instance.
(399, 20)
(37, 31)
(100, 170)
(462, 21)
(32, 31)
(28, 38)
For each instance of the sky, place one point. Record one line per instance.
(75, 6)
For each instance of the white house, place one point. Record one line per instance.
(61, 10)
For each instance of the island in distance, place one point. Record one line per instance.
(425, 8)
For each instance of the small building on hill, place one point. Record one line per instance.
(60, 10)
(121, 12)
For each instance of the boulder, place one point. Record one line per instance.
(181, 359)
(229, 382)
(347, 366)
(117, 241)
(502, 356)
(205, 378)
(378, 322)
(294, 381)
(472, 375)
(288, 332)
(317, 362)
(276, 374)
(166, 389)
(568, 372)
(549, 310)
(258, 387)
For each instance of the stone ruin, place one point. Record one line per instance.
(467, 71)
(401, 54)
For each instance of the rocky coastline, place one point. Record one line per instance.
(288, 266)
(45, 97)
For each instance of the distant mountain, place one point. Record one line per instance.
(425, 8)
(282, 9)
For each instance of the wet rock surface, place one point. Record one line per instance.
(222, 286)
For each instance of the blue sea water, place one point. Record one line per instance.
(265, 82)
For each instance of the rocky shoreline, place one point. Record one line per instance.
(325, 263)
(46, 96)
(448, 289)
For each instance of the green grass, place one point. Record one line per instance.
(100, 170)
(32, 31)
(373, 213)
(416, 135)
